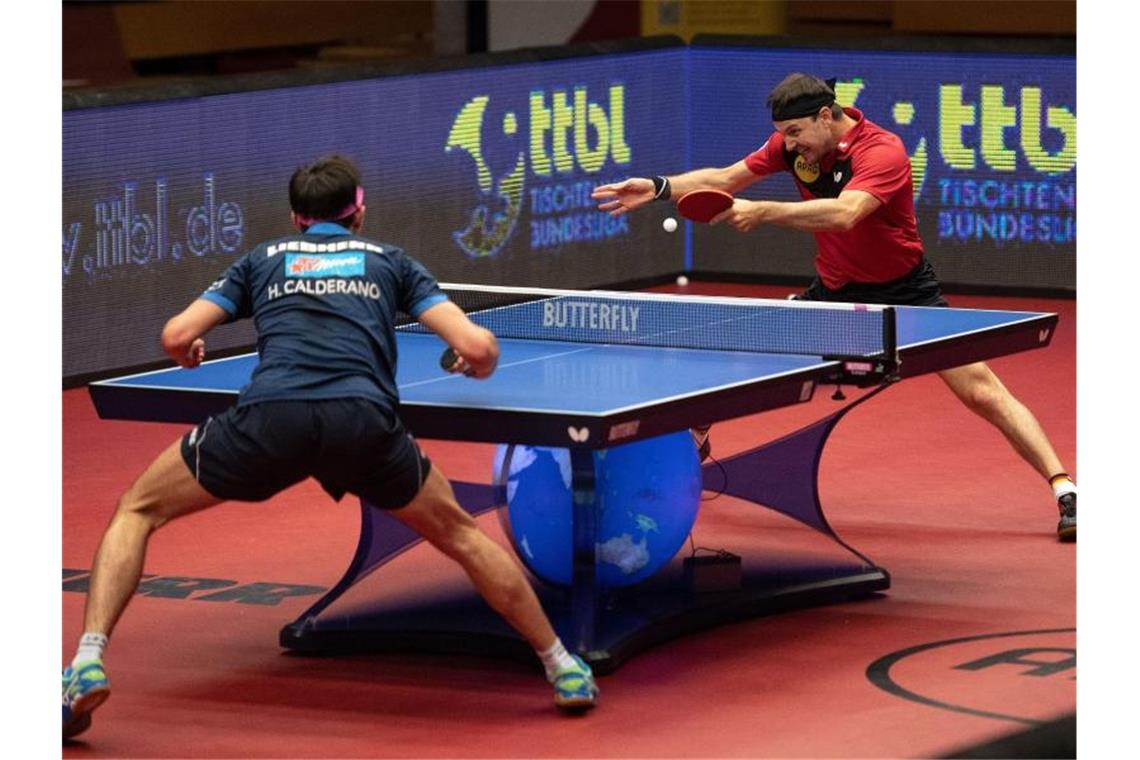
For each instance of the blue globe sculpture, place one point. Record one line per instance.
(649, 493)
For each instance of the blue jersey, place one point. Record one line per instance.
(324, 304)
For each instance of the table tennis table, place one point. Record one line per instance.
(591, 370)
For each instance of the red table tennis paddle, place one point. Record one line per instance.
(703, 205)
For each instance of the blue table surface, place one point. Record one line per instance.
(586, 378)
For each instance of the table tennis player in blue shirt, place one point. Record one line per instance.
(321, 403)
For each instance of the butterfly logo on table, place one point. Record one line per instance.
(578, 435)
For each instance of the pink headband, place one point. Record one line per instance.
(308, 221)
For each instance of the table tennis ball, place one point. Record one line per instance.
(682, 280)
(670, 224)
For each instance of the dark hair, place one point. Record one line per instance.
(799, 90)
(324, 188)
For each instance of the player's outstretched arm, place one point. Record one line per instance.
(817, 215)
(182, 337)
(622, 197)
(476, 347)
(731, 179)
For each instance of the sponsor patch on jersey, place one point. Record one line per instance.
(808, 173)
(326, 265)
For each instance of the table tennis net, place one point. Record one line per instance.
(671, 321)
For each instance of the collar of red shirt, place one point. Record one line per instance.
(843, 148)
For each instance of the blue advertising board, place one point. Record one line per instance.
(483, 174)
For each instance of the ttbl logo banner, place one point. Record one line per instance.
(570, 140)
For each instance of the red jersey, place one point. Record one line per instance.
(885, 245)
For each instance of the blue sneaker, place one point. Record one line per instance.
(574, 687)
(84, 688)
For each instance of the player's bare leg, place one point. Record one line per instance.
(436, 515)
(982, 392)
(166, 490)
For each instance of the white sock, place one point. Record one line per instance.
(555, 659)
(1062, 484)
(91, 646)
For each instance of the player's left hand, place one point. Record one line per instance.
(622, 197)
(744, 215)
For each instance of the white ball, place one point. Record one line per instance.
(669, 224)
(682, 281)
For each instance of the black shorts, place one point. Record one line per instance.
(919, 287)
(350, 445)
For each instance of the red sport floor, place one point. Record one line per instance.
(981, 615)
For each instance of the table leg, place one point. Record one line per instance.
(583, 590)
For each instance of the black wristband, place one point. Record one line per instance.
(661, 189)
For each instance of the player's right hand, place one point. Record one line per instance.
(481, 355)
(744, 215)
(452, 362)
(195, 354)
(621, 197)
(484, 366)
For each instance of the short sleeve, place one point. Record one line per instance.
(231, 290)
(419, 290)
(881, 170)
(768, 158)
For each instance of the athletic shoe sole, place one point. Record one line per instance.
(574, 704)
(81, 711)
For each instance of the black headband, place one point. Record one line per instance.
(804, 105)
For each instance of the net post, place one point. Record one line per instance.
(890, 345)
(879, 367)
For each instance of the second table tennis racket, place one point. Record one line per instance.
(703, 205)
(448, 359)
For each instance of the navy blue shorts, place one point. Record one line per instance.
(919, 287)
(350, 445)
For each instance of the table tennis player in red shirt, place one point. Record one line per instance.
(855, 181)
